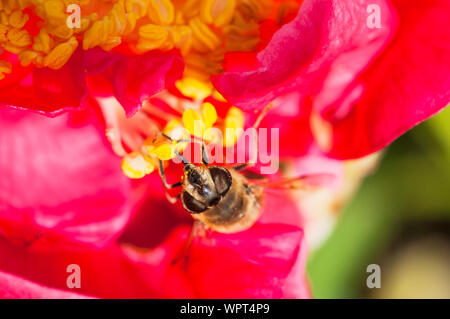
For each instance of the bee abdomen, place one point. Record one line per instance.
(229, 210)
(237, 210)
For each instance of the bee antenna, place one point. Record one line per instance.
(187, 140)
(181, 158)
(166, 136)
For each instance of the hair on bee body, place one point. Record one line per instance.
(224, 199)
(220, 198)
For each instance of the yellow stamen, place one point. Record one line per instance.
(164, 152)
(182, 38)
(204, 38)
(203, 30)
(19, 38)
(152, 37)
(60, 54)
(193, 122)
(213, 135)
(140, 7)
(28, 57)
(203, 123)
(209, 114)
(161, 11)
(217, 12)
(42, 42)
(175, 130)
(96, 35)
(136, 165)
(4, 33)
(17, 19)
(234, 124)
(5, 67)
(286, 9)
(194, 88)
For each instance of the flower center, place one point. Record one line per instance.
(203, 30)
(45, 33)
(154, 134)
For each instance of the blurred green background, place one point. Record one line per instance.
(398, 219)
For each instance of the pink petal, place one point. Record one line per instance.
(324, 35)
(252, 264)
(260, 264)
(110, 272)
(263, 262)
(371, 85)
(59, 183)
(407, 84)
(291, 116)
(13, 287)
(130, 78)
(44, 90)
(155, 217)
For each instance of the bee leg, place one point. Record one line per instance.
(172, 199)
(184, 253)
(204, 154)
(240, 167)
(205, 159)
(183, 160)
(163, 178)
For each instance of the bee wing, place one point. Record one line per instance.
(253, 176)
(306, 182)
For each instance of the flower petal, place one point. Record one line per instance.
(111, 272)
(13, 287)
(131, 79)
(60, 182)
(258, 262)
(266, 261)
(407, 84)
(324, 35)
(44, 90)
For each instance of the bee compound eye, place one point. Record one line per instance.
(191, 204)
(194, 177)
(222, 179)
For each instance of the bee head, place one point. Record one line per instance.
(204, 187)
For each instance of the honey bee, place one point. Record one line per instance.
(223, 199)
(226, 200)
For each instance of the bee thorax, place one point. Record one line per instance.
(237, 210)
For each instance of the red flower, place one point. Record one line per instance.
(13, 287)
(272, 268)
(93, 73)
(369, 85)
(361, 70)
(64, 201)
(47, 189)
